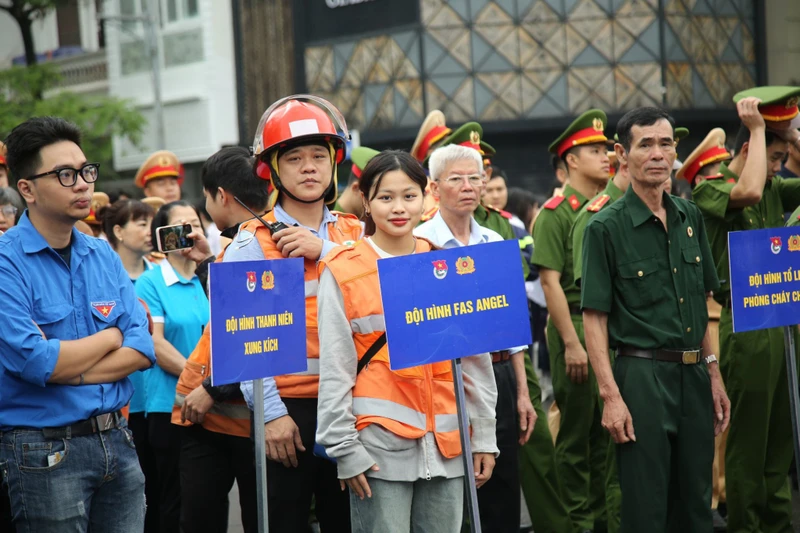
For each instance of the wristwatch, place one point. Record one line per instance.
(710, 359)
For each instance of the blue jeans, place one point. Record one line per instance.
(90, 483)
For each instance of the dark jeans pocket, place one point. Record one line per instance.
(42, 456)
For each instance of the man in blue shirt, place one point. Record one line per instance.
(71, 331)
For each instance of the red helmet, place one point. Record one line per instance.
(295, 119)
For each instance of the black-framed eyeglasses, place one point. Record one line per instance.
(68, 177)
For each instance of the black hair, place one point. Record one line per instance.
(641, 116)
(162, 217)
(557, 163)
(521, 203)
(25, 142)
(119, 214)
(743, 136)
(497, 172)
(378, 166)
(9, 196)
(231, 169)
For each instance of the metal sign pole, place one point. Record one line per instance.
(466, 448)
(794, 402)
(261, 456)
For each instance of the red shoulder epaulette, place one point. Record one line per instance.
(504, 214)
(429, 214)
(714, 177)
(598, 204)
(554, 202)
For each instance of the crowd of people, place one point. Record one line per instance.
(109, 421)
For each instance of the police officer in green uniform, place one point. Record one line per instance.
(749, 195)
(350, 199)
(614, 191)
(645, 297)
(581, 444)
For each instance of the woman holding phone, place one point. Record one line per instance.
(179, 307)
(399, 473)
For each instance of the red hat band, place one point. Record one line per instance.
(435, 135)
(585, 136)
(718, 153)
(779, 112)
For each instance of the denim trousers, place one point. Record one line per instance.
(422, 506)
(88, 483)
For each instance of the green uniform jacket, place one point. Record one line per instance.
(652, 283)
(611, 194)
(552, 247)
(712, 197)
(489, 218)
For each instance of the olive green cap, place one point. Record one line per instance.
(586, 129)
(778, 103)
(360, 157)
(471, 136)
(680, 133)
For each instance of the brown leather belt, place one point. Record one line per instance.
(502, 355)
(688, 357)
(96, 424)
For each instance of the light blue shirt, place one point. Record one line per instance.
(182, 306)
(438, 232)
(44, 301)
(245, 247)
(137, 404)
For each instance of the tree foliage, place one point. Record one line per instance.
(98, 117)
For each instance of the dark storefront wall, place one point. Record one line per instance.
(522, 68)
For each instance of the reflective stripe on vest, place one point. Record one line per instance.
(409, 402)
(368, 324)
(346, 228)
(389, 409)
(313, 369)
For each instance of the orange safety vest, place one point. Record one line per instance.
(409, 402)
(346, 230)
(231, 417)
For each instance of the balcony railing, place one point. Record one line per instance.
(83, 73)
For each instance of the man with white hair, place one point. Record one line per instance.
(457, 182)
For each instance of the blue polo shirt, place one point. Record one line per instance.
(68, 302)
(182, 306)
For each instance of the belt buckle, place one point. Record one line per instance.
(690, 358)
(104, 422)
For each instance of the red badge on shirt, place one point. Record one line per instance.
(104, 308)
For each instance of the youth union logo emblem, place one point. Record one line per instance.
(251, 281)
(440, 269)
(775, 245)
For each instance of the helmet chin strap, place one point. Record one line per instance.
(276, 179)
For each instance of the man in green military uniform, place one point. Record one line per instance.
(645, 297)
(350, 199)
(581, 443)
(749, 195)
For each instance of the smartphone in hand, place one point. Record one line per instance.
(174, 238)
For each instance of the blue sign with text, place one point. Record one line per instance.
(765, 278)
(453, 303)
(258, 319)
